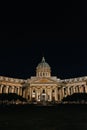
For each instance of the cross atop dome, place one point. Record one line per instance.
(43, 59)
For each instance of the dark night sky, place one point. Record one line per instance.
(63, 42)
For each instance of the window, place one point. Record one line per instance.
(43, 91)
(53, 91)
(34, 91)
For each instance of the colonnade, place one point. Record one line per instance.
(69, 90)
(11, 89)
(46, 93)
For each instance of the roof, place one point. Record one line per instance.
(43, 64)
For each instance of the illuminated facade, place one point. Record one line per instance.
(43, 86)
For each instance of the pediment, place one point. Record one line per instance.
(43, 81)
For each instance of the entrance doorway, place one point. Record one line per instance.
(43, 97)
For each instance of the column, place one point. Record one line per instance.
(50, 94)
(83, 88)
(20, 91)
(68, 92)
(17, 90)
(13, 89)
(4, 89)
(10, 89)
(86, 88)
(7, 89)
(36, 95)
(80, 89)
(73, 89)
(62, 93)
(23, 93)
(59, 94)
(46, 96)
(30, 94)
(1, 86)
(56, 93)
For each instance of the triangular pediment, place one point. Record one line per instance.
(43, 81)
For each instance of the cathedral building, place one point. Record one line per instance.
(43, 86)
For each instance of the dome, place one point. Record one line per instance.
(43, 69)
(43, 64)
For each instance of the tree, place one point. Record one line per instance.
(11, 97)
(76, 97)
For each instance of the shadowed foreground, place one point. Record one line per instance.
(61, 117)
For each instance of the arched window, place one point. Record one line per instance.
(43, 91)
(34, 91)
